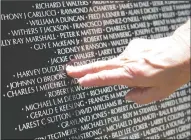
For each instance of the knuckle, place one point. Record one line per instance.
(88, 76)
(101, 77)
(128, 73)
(134, 71)
(95, 68)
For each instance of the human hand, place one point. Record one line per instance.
(155, 68)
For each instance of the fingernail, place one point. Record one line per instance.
(83, 82)
(69, 68)
(80, 81)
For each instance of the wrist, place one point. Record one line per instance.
(183, 49)
(181, 39)
(182, 35)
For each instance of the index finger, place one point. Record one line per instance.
(80, 71)
(117, 76)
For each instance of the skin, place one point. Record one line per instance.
(154, 68)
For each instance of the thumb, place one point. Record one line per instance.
(144, 95)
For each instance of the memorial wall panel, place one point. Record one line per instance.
(40, 101)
